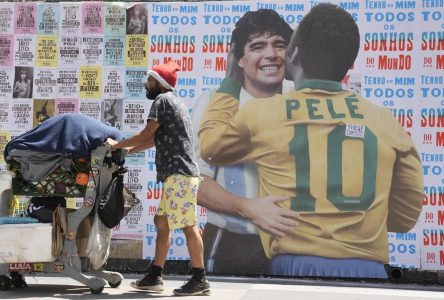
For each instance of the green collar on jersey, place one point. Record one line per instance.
(325, 85)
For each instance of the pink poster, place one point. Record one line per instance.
(6, 50)
(92, 13)
(25, 18)
(64, 106)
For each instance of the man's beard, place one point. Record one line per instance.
(151, 94)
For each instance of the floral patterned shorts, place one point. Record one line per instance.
(179, 200)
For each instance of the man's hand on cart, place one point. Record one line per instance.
(111, 143)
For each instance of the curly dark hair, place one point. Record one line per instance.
(327, 41)
(257, 23)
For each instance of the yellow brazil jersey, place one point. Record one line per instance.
(345, 164)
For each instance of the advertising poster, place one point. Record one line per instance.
(92, 16)
(21, 116)
(64, 106)
(70, 18)
(115, 19)
(136, 50)
(114, 51)
(68, 83)
(47, 51)
(6, 50)
(45, 83)
(6, 18)
(131, 227)
(135, 113)
(90, 85)
(69, 51)
(25, 18)
(90, 108)
(48, 18)
(6, 83)
(113, 82)
(135, 79)
(92, 50)
(5, 137)
(5, 114)
(24, 50)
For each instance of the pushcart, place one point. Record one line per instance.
(27, 248)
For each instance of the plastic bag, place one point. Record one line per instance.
(116, 201)
(111, 205)
(99, 242)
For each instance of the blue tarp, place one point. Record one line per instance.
(72, 133)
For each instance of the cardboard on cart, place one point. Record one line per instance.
(26, 243)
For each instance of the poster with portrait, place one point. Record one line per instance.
(136, 19)
(23, 82)
(112, 112)
(43, 109)
(68, 83)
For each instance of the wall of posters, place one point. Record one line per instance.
(92, 58)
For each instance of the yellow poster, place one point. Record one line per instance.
(136, 50)
(47, 55)
(5, 137)
(90, 82)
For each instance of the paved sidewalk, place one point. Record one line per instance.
(230, 288)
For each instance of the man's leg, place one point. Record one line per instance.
(163, 240)
(198, 284)
(195, 246)
(153, 280)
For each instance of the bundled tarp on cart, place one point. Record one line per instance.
(55, 142)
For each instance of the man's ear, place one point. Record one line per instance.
(291, 62)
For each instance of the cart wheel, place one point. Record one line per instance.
(115, 285)
(97, 291)
(18, 280)
(5, 282)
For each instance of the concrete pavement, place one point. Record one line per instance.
(230, 288)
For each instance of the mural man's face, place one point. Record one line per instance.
(264, 60)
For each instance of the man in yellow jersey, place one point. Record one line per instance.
(346, 165)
